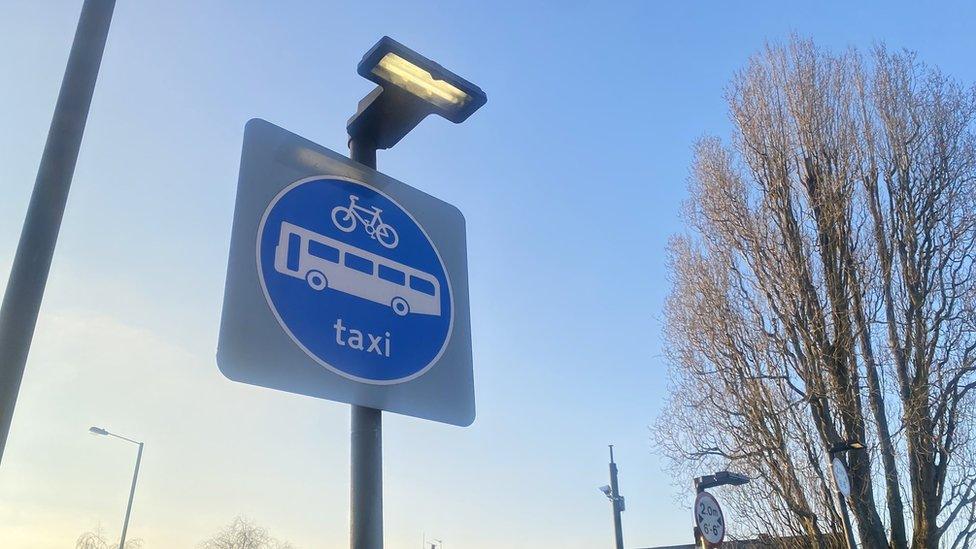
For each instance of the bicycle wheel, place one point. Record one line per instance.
(343, 219)
(387, 236)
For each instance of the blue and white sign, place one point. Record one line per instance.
(354, 280)
(345, 284)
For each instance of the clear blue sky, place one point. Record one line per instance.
(570, 179)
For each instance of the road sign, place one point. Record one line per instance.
(345, 284)
(709, 519)
(841, 477)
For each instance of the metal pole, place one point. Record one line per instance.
(845, 516)
(848, 531)
(698, 537)
(366, 507)
(32, 262)
(618, 530)
(132, 493)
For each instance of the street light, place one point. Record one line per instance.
(842, 483)
(410, 87)
(845, 446)
(720, 478)
(612, 491)
(135, 475)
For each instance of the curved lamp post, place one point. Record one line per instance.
(135, 475)
(409, 87)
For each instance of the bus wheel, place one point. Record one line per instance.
(400, 306)
(316, 280)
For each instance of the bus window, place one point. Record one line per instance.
(294, 247)
(360, 264)
(390, 274)
(422, 285)
(323, 251)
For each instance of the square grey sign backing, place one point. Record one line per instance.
(253, 347)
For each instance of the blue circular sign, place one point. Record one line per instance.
(354, 280)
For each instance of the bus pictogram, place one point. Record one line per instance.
(327, 264)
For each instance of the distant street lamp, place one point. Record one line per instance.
(410, 87)
(612, 491)
(842, 484)
(432, 543)
(135, 475)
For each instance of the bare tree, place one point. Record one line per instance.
(95, 539)
(826, 292)
(242, 533)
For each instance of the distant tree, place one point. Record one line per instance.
(95, 539)
(826, 292)
(242, 533)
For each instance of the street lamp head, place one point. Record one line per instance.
(97, 431)
(720, 478)
(390, 63)
(410, 87)
(606, 491)
(845, 446)
(735, 479)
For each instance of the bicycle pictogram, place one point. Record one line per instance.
(347, 218)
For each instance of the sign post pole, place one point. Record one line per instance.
(366, 507)
(366, 491)
(32, 262)
(848, 531)
(842, 483)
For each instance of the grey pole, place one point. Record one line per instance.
(848, 531)
(699, 540)
(32, 262)
(132, 493)
(618, 529)
(845, 516)
(366, 505)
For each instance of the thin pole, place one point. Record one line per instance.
(366, 505)
(32, 262)
(618, 530)
(132, 493)
(845, 516)
(697, 533)
(848, 531)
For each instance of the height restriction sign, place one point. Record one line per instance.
(709, 519)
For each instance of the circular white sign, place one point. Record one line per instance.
(709, 519)
(841, 477)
